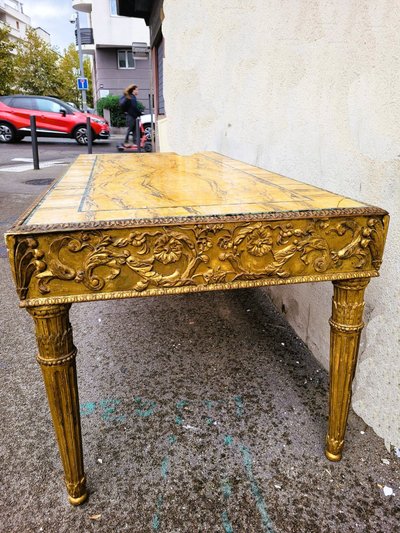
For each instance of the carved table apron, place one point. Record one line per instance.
(128, 225)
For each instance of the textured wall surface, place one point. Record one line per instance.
(309, 89)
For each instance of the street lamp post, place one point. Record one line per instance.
(75, 19)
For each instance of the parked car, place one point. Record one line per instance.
(146, 123)
(54, 118)
(88, 109)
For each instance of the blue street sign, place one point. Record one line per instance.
(83, 84)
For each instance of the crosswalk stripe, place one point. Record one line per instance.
(23, 168)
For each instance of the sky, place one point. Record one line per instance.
(53, 16)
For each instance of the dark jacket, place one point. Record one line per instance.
(133, 109)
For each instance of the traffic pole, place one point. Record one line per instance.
(89, 135)
(35, 150)
(78, 34)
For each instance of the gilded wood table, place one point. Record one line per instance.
(123, 225)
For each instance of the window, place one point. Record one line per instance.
(5, 99)
(23, 103)
(17, 24)
(48, 105)
(125, 59)
(113, 7)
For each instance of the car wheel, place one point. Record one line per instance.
(80, 135)
(7, 133)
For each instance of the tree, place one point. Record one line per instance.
(7, 59)
(36, 66)
(87, 72)
(69, 71)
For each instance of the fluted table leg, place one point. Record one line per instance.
(57, 360)
(346, 325)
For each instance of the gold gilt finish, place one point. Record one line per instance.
(346, 325)
(170, 259)
(123, 226)
(57, 360)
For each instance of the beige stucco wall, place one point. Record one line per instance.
(310, 89)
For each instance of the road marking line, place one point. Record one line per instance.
(44, 164)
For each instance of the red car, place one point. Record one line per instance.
(54, 118)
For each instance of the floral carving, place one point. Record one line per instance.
(167, 249)
(259, 242)
(178, 256)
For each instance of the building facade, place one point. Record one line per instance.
(12, 15)
(115, 66)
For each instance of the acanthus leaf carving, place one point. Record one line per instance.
(177, 256)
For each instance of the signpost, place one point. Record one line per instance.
(82, 83)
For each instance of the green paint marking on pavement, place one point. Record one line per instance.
(180, 405)
(239, 406)
(108, 410)
(144, 408)
(210, 421)
(156, 517)
(225, 522)
(156, 521)
(261, 506)
(209, 404)
(228, 440)
(171, 439)
(164, 467)
(87, 409)
(226, 489)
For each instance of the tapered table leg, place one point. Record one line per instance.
(57, 360)
(346, 325)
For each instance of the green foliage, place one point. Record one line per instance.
(111, 102)
(40, 69)
(7, 76)
(87, 72)
(36, 66)
(69, 72)
(69, 69)
(117, 116)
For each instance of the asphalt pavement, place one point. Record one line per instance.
(200, 412)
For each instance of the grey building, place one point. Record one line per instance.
(120, 53)
(150, 11)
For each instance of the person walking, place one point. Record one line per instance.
(130, 106)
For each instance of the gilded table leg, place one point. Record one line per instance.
(346, 325)
(57, 360)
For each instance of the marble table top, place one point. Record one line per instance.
(161, 187)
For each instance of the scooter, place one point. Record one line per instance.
(145, 144)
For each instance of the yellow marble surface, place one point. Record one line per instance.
(150, 186)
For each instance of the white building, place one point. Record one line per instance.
(12, 15)
(114, 66)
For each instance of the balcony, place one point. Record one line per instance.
(82, 5)
(15, 35)
(86, 36)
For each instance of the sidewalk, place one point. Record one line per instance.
(200, 413)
